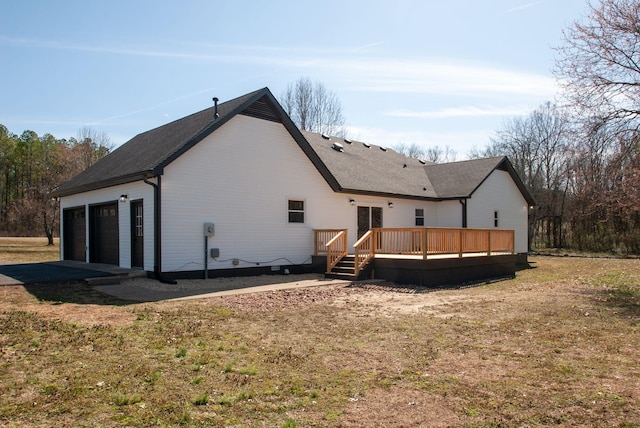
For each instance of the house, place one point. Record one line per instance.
(239, 189)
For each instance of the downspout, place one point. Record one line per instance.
(463, 202)
(157, 271)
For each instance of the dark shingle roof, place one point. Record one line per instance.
(461, 179)
(363, 168)
(146, 154)
(357, 168)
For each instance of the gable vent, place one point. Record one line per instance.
(263, 109)
(325, 136)
(337, 147)
(366, 145)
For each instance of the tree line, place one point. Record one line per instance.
(580, 157)
(31, 166)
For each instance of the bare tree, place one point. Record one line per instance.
(313, 107)
(434, 154)
(599, 66)
(90, 146)
(537, 147)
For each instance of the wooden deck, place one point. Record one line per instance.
(408, 249)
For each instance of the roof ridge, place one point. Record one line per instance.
(465, 161)
(386, 148)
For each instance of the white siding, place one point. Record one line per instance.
(134, 191)
(500, 193)
(240, 178)
(449, 214)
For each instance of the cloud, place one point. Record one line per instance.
(468, 111)
(234, 55)
(448, 77)
(522, 7)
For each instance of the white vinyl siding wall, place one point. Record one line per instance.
(241, 178)
(134, 191)
(500, 193)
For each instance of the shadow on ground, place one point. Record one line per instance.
(73, 292)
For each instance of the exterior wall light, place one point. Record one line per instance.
(390, 204)
(352, 202)
(123, 198)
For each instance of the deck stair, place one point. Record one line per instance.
(346, 268)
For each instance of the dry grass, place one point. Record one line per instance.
(559, 345)
(28, 250)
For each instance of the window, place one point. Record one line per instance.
(419, 217)
(296, 211)
(495, 219)
(139, 225)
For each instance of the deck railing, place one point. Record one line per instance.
(332, 242)
(364, 250)
(322, 238)
(425, 242)
(413, 241)
(337, 248)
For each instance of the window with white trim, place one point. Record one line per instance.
(296, 211)
(419, 217)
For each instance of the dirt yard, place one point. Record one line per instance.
(557, 346)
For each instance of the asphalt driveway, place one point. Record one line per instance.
(54, 272)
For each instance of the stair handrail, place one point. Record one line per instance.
(364, 250)
(336, 249)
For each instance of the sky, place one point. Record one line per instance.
(426, 72)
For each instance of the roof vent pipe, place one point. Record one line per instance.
(215, 108)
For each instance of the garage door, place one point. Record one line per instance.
(103, 234)
(75, 238)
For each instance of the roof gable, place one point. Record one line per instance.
(462, 179)
(147, 154)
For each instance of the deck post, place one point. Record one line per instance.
(489, 244)
(460, 243)
(424, 243)
(315, 242)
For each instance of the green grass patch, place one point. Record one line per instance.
(201, 400)
(126, 399)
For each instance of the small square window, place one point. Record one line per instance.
(419, 217)
(296, 211)
(495, 219)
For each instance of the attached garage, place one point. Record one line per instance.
(75, 238)
(103, 234)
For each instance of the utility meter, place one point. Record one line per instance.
(209, 229)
